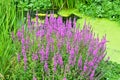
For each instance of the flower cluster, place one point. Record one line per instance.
(55, 44)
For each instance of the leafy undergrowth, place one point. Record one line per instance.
(112, 71)
(102, 8)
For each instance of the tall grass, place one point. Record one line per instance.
(8, 24)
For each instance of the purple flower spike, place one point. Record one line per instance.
(55, 64)
(91, 63)
(23, 41)
(72, 57)
(25, 62)
(80, 63)
(60, 60)
(46, 66)
(95, 52)
(40, 33)
(68, 47)
(42, 54)
(34, 57)
(64, 78)
(47, 52)
(19, 35)
(92, 75)
(85, 68)
(23, 50)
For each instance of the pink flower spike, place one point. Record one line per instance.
(46, 66)
(80, 63)
(64, 78)
(95, 52)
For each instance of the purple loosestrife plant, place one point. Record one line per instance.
(72, 57)
(54, 45)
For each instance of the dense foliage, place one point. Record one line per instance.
(101, 8)
(33, 5)
(97, 8)
(113, 71)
